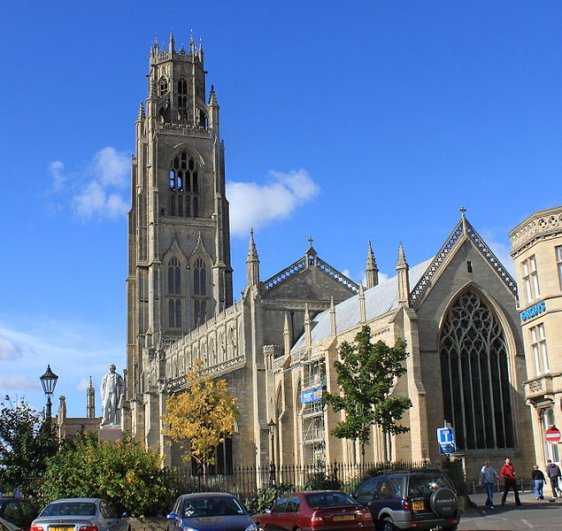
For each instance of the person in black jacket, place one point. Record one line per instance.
(538, 482)
(553, 473)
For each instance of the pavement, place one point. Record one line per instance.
(539, 515)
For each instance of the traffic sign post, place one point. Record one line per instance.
(446, 440)
(552, 435)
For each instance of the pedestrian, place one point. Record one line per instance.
(507, 473)
(553, 473)
(487, 476)
(538, 480)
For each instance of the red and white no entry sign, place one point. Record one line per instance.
(552, 435)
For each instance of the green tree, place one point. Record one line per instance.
(26, 442)
(200, 418)
(366, 376)
(124, 473)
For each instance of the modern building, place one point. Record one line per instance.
(536, 248)
(276, 346)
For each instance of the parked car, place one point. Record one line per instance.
(81, 514)
(19, 512)
(401, 500)
(331, 510)
(206, 511)
(8, 526)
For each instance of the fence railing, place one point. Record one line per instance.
(245, 481)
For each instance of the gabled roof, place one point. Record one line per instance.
(383, 298)
(463, 230)
(379, 300)
(310, 260)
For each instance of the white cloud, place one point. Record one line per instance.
(8, 349)
(18, 383)
(55, 168)
(97, 192)
(111, 167)
(254, 205)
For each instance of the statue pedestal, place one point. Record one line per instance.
(110, 433)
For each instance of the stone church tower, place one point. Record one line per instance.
(179, 270)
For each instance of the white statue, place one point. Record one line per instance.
(112, 389)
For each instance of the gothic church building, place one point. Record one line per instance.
(276, 346)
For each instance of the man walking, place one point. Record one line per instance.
(507, 472)
(553, 473)
(487, 476)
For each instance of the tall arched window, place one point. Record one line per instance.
(475, 376)
(174, 276)
(199, 292)
(174, 313)
(184, 186)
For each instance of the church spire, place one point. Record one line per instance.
(371, 269)
(402, 276)
(90, 401)
(252, 263)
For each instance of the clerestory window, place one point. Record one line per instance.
(184, 186)
(475, 376)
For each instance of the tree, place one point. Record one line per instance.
(366, 375)
(26, 442)
(123, 473)
(201, 417)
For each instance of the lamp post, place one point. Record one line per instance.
(49, 382)
(271, 425)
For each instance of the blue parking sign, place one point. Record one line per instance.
(446, 440)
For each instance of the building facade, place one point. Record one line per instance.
(276, 346)
(537, 252)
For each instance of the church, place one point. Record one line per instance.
(276, 346)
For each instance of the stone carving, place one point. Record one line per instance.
(112, 390)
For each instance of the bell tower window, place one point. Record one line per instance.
(184, 186)
(182, 100)
(163, 86)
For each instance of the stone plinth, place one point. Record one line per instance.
(110, 433)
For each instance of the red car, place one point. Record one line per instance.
(328, 509)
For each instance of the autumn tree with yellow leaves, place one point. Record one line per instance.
(200, 418)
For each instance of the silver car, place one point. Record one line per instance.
(80, 514)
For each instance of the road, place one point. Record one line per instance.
(541, 515)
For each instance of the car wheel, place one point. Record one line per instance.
(443, 502)
(387, 525)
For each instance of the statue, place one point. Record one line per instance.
(112, 390)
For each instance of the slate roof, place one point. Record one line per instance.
(379, 300)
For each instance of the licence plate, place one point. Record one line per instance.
(61, 528)
(417, 506)
(343, 517)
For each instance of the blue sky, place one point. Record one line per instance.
(346, 122)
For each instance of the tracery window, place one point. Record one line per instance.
(199, 292)
(174, 276)
(184, 186)
(475, 376)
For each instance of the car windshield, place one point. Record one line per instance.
(422, 485)
(329, 499)
(70, 509)
(215, 506)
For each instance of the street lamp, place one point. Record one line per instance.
(271, 425)
(49, 382)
